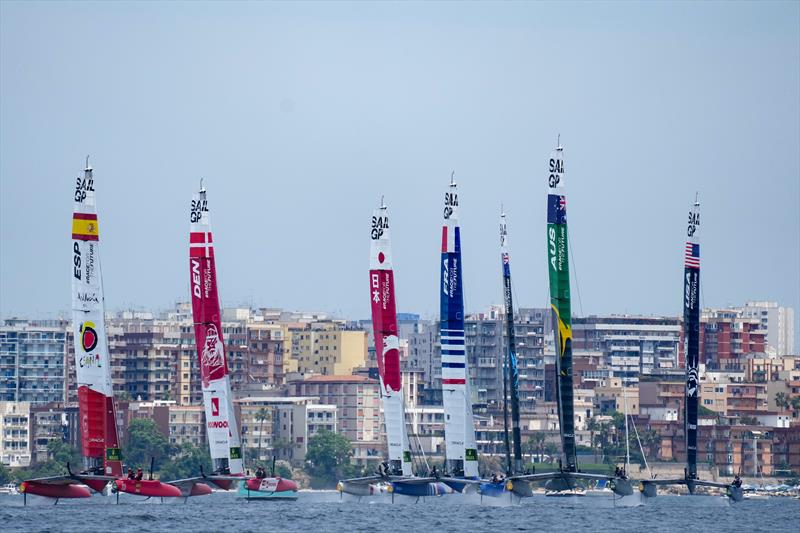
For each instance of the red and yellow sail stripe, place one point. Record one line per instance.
(85, 227)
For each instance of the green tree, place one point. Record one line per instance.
(186, 461)
(782, 400)
(283, 469)
(262, 415)
(551, 449)
(328, 457)
(535, 444)
(795, 404)
(5, 474)
(593, 426)
(145, 440)
(490, 464)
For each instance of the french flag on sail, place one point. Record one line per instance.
(691, 258)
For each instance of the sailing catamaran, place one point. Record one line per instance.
(691, 339)
(99, 440)
(564, 481)
(221, 429)
(461, 450)
(396, 474)
(510, 385)
(99, 436)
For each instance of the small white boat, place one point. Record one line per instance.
(9, 489)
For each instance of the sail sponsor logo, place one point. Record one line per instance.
(212, 359)
(691, 382)
(218, 424)
(89, 263)
(87, 297)
(379, 225)
(694, 223)
(76, 260)
(690, 290)
(215, 406)
(556, 169)
(88, 336)
(82, 187)
(90, 361)
(375, 283)
(198, 208)
(450, 277)
(450, 203)
(551, 237)
(196, 279)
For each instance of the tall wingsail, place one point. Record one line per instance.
(99, 438)
(511, 375)
(387, 343)
(691, 335)
(558, 268)
(221, 429)
(461, 449)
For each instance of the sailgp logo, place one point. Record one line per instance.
(212, 360)
(214, 406)
(691, 382)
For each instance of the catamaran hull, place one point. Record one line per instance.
(54, 491)
(151, 488)
(248, 494)
(360, 489)
(420, 489)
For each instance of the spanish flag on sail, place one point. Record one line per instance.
(84, 227)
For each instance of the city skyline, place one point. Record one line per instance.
(299, 123)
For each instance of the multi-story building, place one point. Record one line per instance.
(726, 338)
(280, 426)
(15, 436)
(32, 355)
(777, 322)
(328, 349)
(630, 345)
(49, 422)
(187, 425)
(357, 399)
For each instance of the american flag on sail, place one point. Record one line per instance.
(692, 255)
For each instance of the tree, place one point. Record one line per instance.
(146, 441)
(551, 449)
(592, 425)
(490, 464)
(795, 404)
(262, 415)
(782, 400)
(186, 461)
(328, 456)
(5, 474)
(535, 443)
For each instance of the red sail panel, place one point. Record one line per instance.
(92, 405)
(384, 321)
(206, 314)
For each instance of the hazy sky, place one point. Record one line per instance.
(300, 116)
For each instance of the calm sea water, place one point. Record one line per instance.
(324, 511)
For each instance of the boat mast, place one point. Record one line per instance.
(691, 334)
(221, 428)
(510, 369)
(99, 437)
(387, 343)
(558, 268)
(461, 449)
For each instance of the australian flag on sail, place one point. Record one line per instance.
(691, 258)
(556, 209)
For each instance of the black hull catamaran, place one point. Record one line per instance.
(566, 479)
(691, 339)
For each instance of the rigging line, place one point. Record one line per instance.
(641, 449)
(571, 245)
